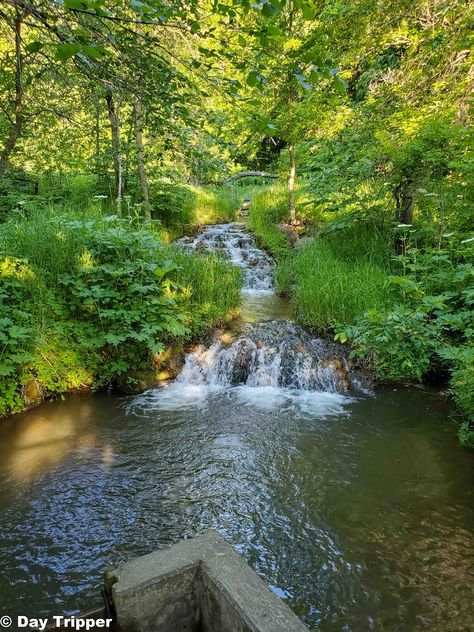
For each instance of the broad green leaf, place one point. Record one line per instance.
(80, 5)
(97, 52)
(66, 51)
(339, 84)
(34, 47)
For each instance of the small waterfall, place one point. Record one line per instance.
(276, 353)
(273, 364)
(270, 365)
(238, 246)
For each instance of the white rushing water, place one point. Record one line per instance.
(270, 365)
(238, 246)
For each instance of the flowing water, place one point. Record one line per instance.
(355, 507)
(239, 246)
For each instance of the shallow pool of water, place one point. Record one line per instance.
(361, 515)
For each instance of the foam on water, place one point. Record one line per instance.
(271, 365)
(237, 245)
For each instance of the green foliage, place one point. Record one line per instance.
(268, 209)
(462, 385)
(17, 335)
(329, 291)
(173, 204)
(17, 191)
(399, 342)
(406, 340)
(183, 208)
(123, 297)
(210, 289)
(92, 300)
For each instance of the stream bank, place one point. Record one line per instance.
(336, 496)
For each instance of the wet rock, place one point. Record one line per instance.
(304, 241)
(169, 363)
(167, 366)
(242, 362)
(272, 353)
(32, 393)
(289, 232)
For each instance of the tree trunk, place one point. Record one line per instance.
(96, 157)
(141, 156)
(114, 118)
(17, 124)
(291, 182)
(126, 160)
(404, 202)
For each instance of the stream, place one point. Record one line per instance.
(356, 507)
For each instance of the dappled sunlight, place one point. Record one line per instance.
(224, 226)
(40, 440)
(20, 269)
(87, 260)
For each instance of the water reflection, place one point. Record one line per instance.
(33, 443)
(257, 307)
(361, 521)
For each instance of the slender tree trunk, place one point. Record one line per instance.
(141, 156)
(114, 118)
(126, 160)
(97, 139)
(291, 181)
(404, 202)
(17, 124)
(139, 141)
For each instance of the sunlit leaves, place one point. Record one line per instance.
(67, 50)
(255, 80)
(339, 84)
(34, 47)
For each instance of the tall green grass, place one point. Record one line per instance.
(330, 291)
(268, 209)
(212, 205)
(183, 208)
(211, 288)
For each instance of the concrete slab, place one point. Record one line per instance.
(198, 585)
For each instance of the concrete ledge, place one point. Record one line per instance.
(198, 585)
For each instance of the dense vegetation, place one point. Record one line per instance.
(91, 301)
(123, 120)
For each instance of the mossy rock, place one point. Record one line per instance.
(32, 393)
(167, 365)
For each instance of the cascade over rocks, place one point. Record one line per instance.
(276, 353)
(239, 246)
(273, 364)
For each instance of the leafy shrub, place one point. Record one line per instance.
(398, 342)
(17, 335)
(95, 299)
(403, 341)
(462, 387)
(17, 190)
(123, 297)
(172, 203)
